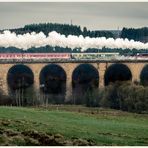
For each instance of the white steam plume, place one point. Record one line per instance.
(28, 40)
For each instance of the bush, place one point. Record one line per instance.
(5, 100)
(92, 98)
(126, 96)
(110, 96)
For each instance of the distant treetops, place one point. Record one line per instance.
(140, 34)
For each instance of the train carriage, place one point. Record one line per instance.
(34, 56)
(58, 56)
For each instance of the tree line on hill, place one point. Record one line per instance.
(65, 29)
(140, 34)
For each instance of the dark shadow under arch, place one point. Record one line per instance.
(85, 74)
(85, 78)
(20, 81)
(117, 72)
(20, 76)
(53, 82)
(144, 76)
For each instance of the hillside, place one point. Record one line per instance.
(140, 34)
(65, 29)
(71, 125)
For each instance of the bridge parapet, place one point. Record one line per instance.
(72, 61)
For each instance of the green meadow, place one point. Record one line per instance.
(71, 125)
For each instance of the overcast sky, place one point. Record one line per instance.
(94, 16)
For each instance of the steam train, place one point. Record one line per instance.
(38, 56)
(68, 56)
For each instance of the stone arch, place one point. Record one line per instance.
(53, 82)
(85, 77)
(85, 73)
(20, 76)
(144, 75)
(117, 72)
(20, 80)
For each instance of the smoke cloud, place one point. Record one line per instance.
(28, 40)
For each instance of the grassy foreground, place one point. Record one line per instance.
(71, 125)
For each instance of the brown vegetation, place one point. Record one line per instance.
(124, 96)
(9, 137)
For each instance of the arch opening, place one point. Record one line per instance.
(117, 72)
(144, 76)
(53, 83)
(20, 81)
(85, 79)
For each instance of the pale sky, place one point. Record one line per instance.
(95, 16)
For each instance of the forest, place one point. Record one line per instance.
(140, 34)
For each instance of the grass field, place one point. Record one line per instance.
(71, 125)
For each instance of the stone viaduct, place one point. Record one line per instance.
(69, 66)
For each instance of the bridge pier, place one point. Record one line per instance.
(101, 70)
(4, 68)
(135, 69)
(68, 68)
